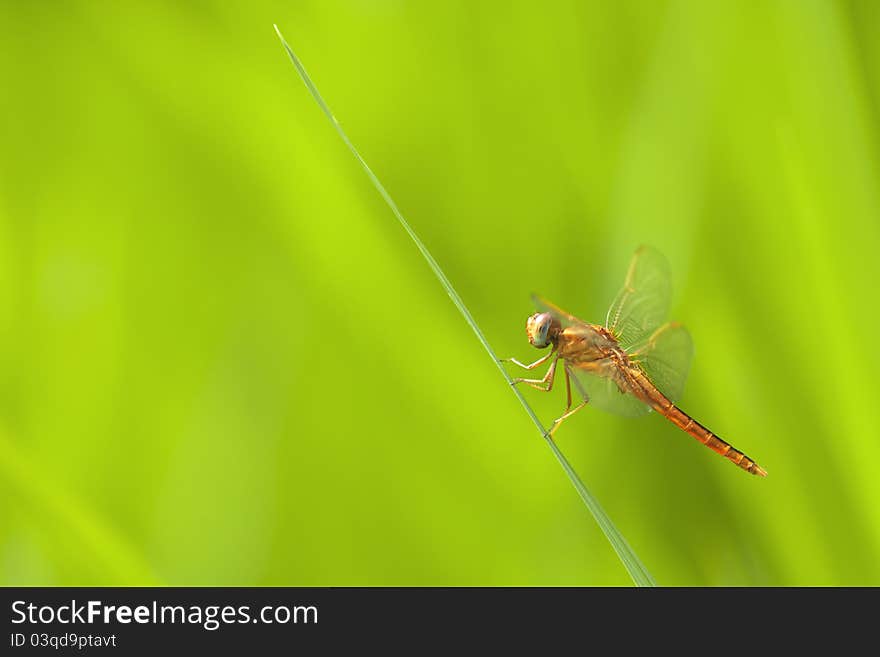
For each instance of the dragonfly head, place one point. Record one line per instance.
(540, 329)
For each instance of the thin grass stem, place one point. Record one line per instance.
(633, 565)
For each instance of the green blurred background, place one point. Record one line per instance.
(223, 362)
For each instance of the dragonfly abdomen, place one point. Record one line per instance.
(656, 400)
(685, 422)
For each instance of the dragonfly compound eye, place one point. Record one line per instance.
(538, 329)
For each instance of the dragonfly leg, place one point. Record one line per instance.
(545, 384)
(569, 411)
(531, 366)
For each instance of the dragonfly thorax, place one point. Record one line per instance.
(542, 329)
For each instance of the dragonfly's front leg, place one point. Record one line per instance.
(569, 411)
(530, 366)
(545, 384)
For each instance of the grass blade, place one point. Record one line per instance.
(631, 562)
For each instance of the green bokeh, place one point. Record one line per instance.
(223, 362)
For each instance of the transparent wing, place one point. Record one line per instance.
(565, 318)
(604, 394)
(666, 358)
(641, 306)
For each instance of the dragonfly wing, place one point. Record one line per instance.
(565, 318)
(666, 358)
(603, 393)
(641, 305)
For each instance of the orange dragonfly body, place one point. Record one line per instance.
(631, 365)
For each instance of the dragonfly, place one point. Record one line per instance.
(633, 364)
